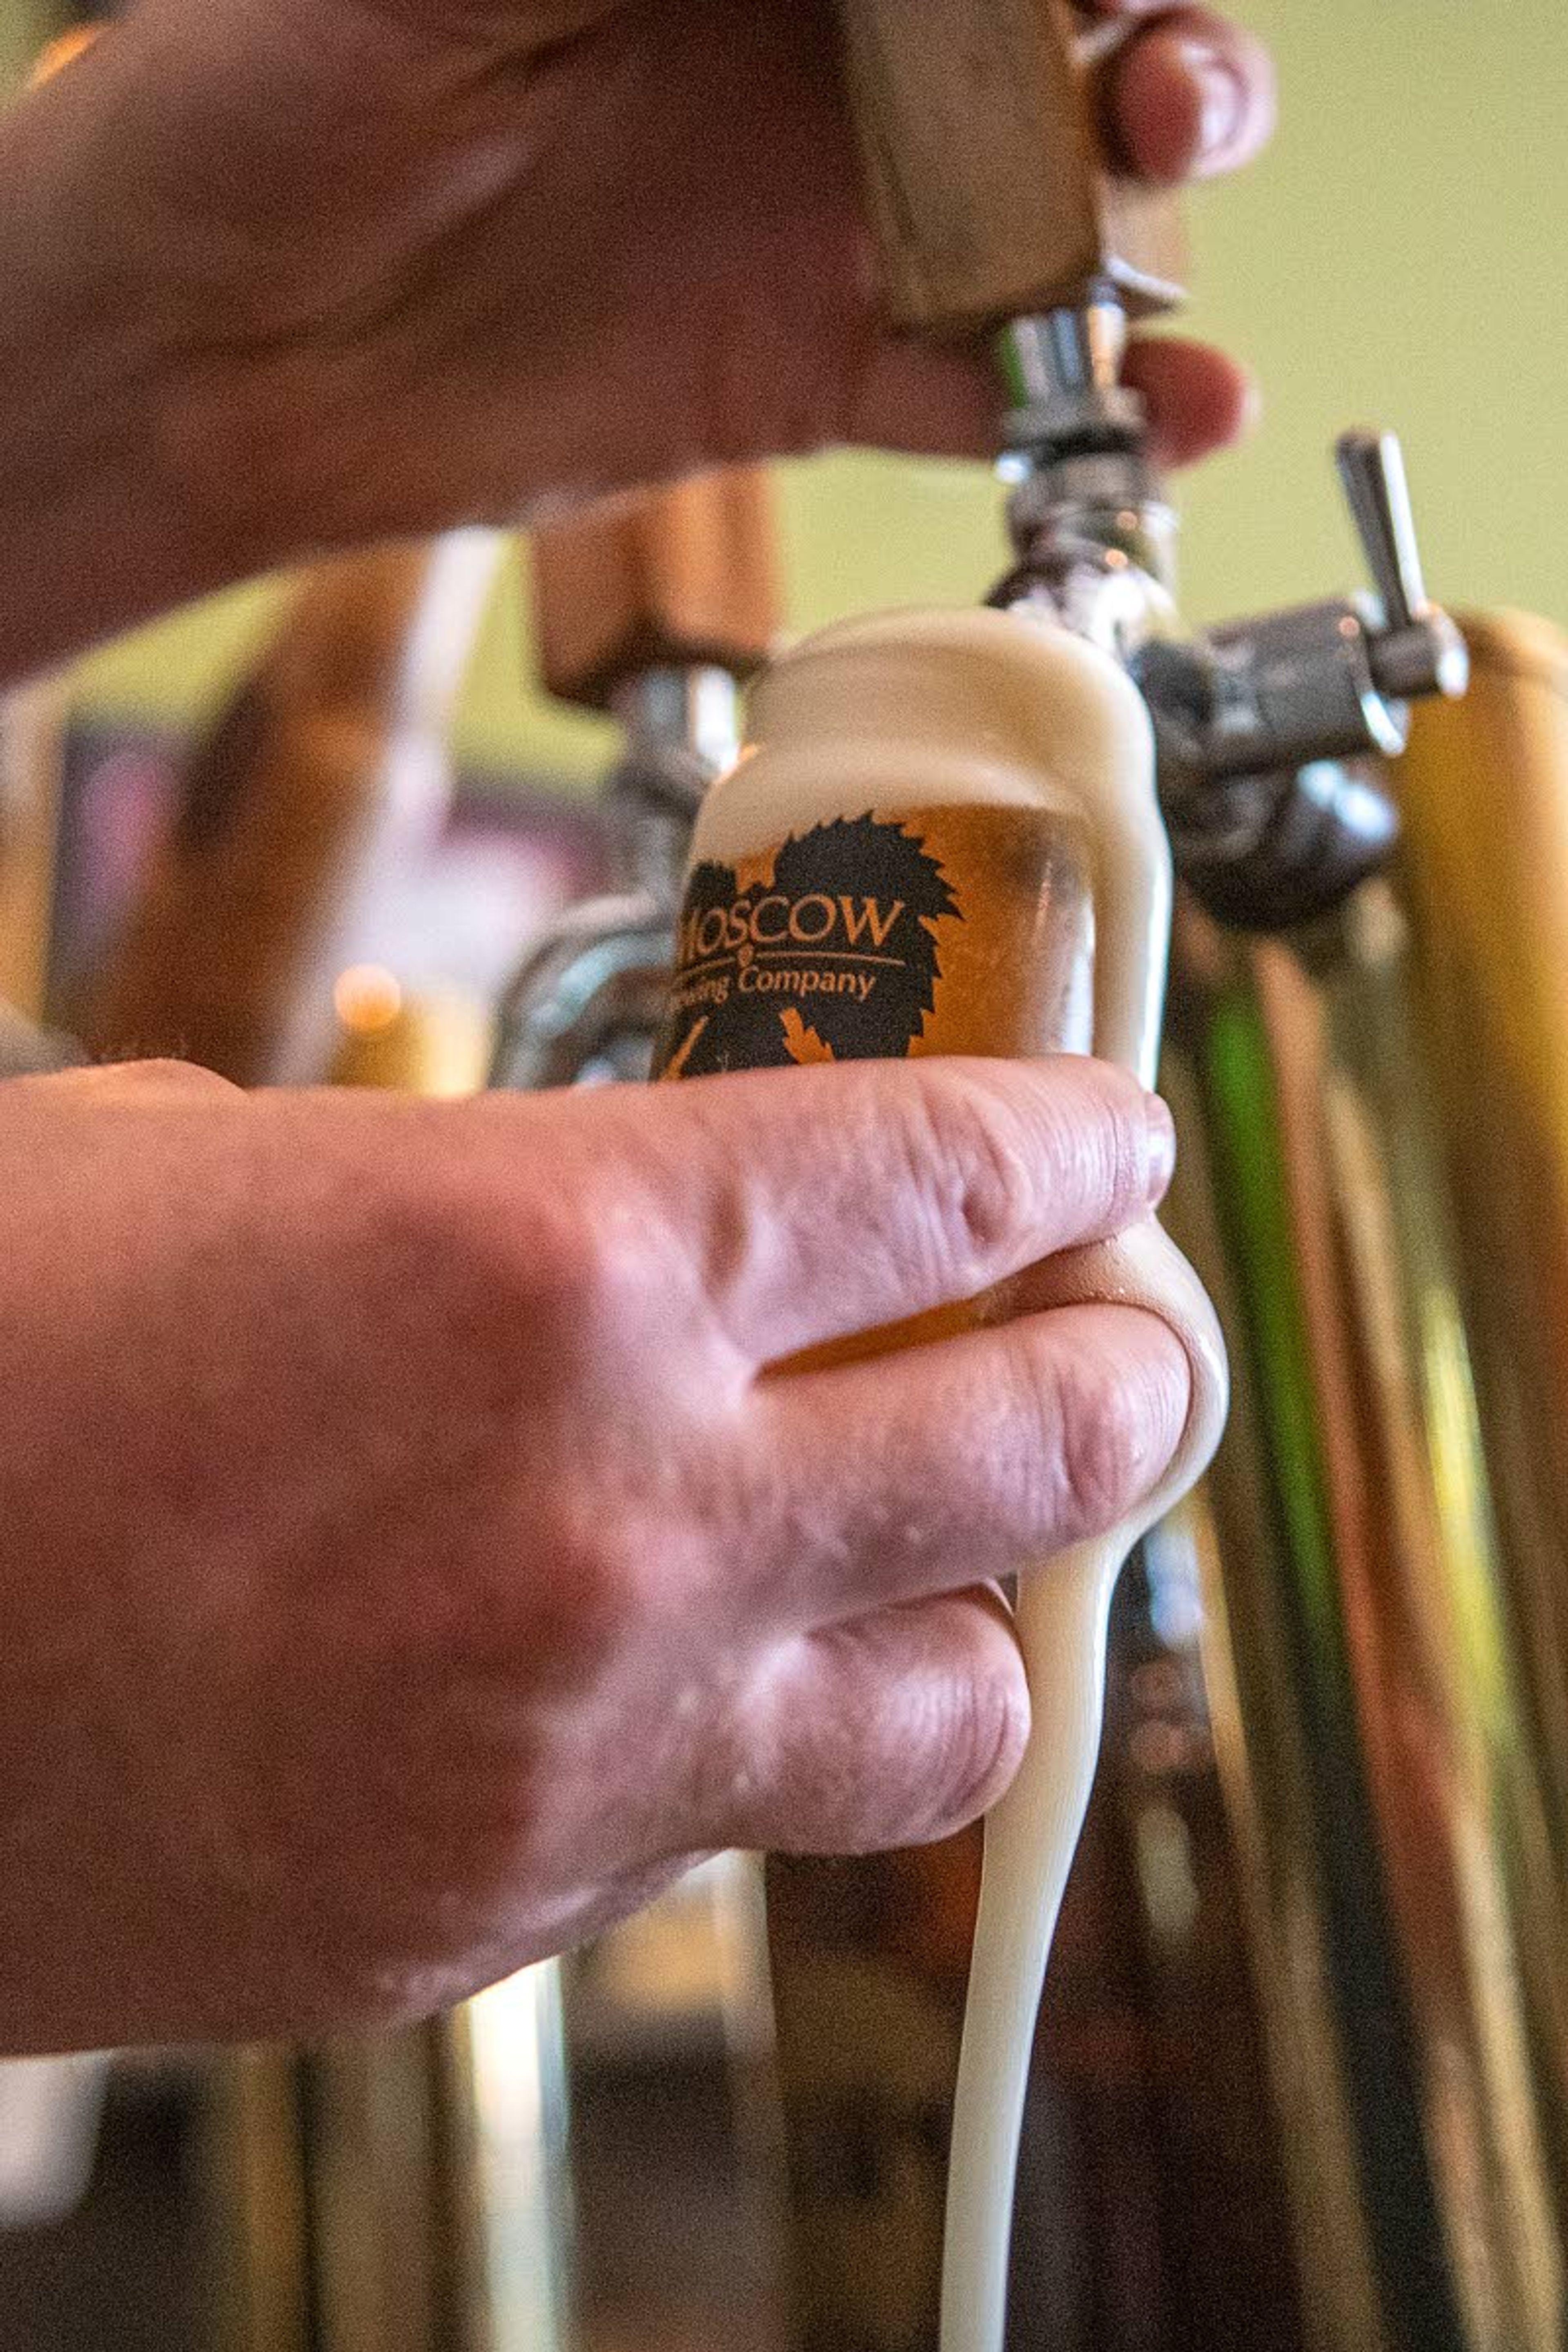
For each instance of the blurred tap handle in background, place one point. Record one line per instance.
(680, 578)
(328, 760)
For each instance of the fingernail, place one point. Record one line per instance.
(1222, 101)
(1162, 1165)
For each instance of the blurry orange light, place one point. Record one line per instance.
(367, 997)
(63, 52)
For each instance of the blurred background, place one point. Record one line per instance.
(1303, 2155)
(1395, 258)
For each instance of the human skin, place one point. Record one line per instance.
(283, 276)
(406, 1564)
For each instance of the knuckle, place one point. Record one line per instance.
(167, 1070)
(1114, 1404)
(605, 1256)
(981, 1729)
(1097, 1143)
(1000, 1157)
(161, 1075)
(970, 1168)
(1099, 1459)
(538, 1264)
(602, 1586)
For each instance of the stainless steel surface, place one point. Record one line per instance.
(682, 728)
(1248, 717)
(1418, 650)
(1375, 1181)
(588, 1001)
(586, 1006)
(1063, 371)
(1110, 501)
(1371, 468)
(49, 2111)
(1286, 688)
(401, 2194)
(1266, 853)
(1322, 681)
(670, 712)
(1095, 536)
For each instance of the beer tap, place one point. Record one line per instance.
(978, 129)
(1259, 724)
(979, 750)
(656, 612)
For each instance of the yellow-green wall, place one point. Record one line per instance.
(23, 23)
(1398, 259)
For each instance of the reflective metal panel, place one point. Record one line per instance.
(1377, 1185)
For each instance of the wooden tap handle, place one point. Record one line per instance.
(671, 578)
(979, 125)
(288, 806)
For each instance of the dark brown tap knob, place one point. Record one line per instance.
(681, 578)
(979, 124)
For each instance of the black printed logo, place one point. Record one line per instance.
(826, 952)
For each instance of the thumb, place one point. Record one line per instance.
(141, 1082)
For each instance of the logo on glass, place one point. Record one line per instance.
(824, 950)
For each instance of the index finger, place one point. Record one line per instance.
(819, 1203)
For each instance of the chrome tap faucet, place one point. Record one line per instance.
(1259, 724)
